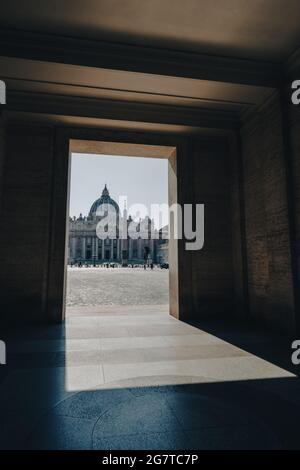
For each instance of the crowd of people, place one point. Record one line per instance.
(145, 266)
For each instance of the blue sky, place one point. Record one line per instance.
(142, 180)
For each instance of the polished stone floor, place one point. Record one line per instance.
(133, 377)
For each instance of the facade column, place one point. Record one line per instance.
(129, 248)
(73, 248)
(102, 250)
(111, 249)
(140, 251)
(151, 249)
(83, 256)
(93, 248)
(96, 248)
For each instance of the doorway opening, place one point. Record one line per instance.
(119, 290)
(117, 273)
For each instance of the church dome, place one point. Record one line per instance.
(105, 199)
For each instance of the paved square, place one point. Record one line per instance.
(117, 286)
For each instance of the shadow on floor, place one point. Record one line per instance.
(255, 414)
(270, 346)
(39, 412)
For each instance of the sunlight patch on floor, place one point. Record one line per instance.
(144, 346)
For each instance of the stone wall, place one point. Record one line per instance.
(2, 155)
(294, 142)
(267, 230)
(246, 262)
(25, 215)
(212, 267)
(237, 207)
(33, 240)
(292, 128)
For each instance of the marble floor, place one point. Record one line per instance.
(133, 377)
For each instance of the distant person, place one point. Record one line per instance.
(151, 266)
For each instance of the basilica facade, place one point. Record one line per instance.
(86, 247)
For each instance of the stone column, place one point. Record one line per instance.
(140, 250)
(151, 243)
(27, 294)
(93, 248)
(96, 248)
(73, 249)
(2, 153)
(111, 249)
(129, 248)
(83, 248)
(102, 250)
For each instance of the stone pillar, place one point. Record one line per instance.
(111, 249)
(26, 181)
(83, 248)
(119, 249)
(2, 154)
(151, 243)
(96, 248)
(102, 250)
(93, 248)
(140, 250)
(267, 218)
(73, 248)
